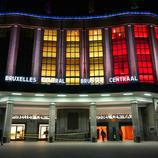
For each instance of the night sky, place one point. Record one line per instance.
(77, 8)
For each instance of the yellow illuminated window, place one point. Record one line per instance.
(48, 70)
(72, 57)
(96, 67)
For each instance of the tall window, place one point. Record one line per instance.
(48, 72)
(96, 57)
(72, 57)
(144, 60)
(119, 51)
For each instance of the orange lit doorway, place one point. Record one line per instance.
(99, 129)
(127, 133)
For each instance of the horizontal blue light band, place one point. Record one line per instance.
(77, 17)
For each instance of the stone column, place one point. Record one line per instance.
(136, 121)
(13, 50)
(93, 122)
(132, 51)
(108, 66)
(8, 121)
(36, 60)
(154, 46)
(52, 118)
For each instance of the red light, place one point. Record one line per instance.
(143, 52)
(119, 50)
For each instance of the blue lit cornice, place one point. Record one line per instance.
(77, 17)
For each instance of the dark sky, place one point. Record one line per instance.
(77, 7)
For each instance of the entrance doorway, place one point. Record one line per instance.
(99, 136)
(17, 131)
(127, 133)
(43, 131)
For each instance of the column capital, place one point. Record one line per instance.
(129, 25)
(52, 104)
(15, 25)
(106, 28)
(10, 102)
(134, 102)
(39, 29)
(93, 104)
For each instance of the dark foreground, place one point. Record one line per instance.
(79, 150)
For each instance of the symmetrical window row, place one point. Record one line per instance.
(96, 65)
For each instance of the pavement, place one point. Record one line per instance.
(79, 150)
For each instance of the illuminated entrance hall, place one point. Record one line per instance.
(78, 117)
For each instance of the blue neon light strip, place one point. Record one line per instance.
(77, 17)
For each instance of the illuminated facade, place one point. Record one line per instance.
(78, 75)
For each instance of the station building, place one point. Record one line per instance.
(67, 78)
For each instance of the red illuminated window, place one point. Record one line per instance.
(118, 32)
(156, 32)
(144, 60)
(119, 51)
(140, 31)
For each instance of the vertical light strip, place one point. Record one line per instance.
(119, 51)
(48, 72)
(96, 57)
(72, 57)
(143, 52)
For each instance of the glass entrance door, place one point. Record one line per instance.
(17, 131)
(43, 131)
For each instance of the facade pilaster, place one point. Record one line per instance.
(132, 51)
(107, 56)
(83, 56)
(155, 50)
(36, 60)
(13, 50)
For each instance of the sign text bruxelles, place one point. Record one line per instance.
(20, 79)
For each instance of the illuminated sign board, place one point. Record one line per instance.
(20, 79)
(32, 117)
(123, 79)
(61, 80)
(114, 116)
